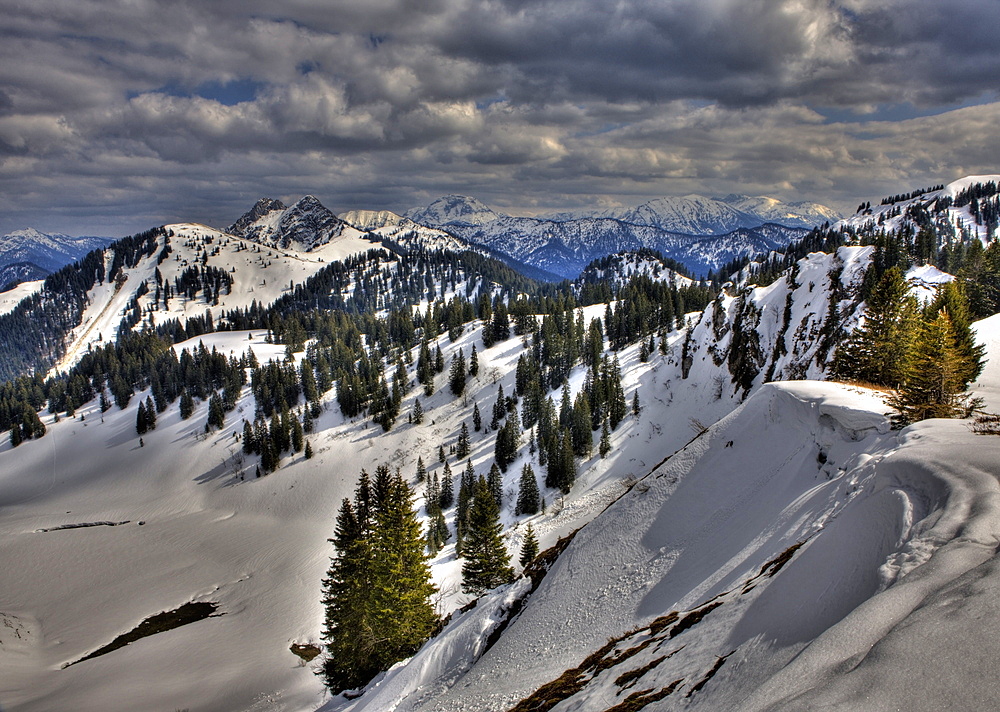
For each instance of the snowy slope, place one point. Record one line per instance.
(260, 274)
(815, 548)
(11, 298)
(953, 221)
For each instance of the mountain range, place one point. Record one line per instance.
(701, 233)
(754, 538)
(28, 254)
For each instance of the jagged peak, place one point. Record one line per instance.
(263, 207)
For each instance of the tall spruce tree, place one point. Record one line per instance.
(529, 549)
(377, 591)
(487, 563)
(934, 385)
(878, 352)
(527, 495)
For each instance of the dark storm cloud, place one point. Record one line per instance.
(124, 113)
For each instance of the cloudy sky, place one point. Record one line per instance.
(116, 115)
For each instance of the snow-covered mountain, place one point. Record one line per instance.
(746, 544)
(385, 225)
(771, 210)
(965, 207)
(565, 246)
(30, 255)
(454, 210)
(303, 227)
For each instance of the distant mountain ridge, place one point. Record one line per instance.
(30, 254)
(710, 235)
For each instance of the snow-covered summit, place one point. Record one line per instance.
(795, 214)
(304, 226)
(457, 210)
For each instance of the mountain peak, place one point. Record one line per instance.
(453, 210)
(303, 226)
(260, 209)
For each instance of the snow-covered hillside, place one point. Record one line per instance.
(796, 555)
(952, 220)
(750, 564)
(259, 274)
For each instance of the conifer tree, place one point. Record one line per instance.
(636, 409)
(463, 446)
(141, 426)
(456, 377)
(150, 414)
(529, 549)
(186, 404)
(933, 386)
(477, 418)
(495, 482)
(474, 362)
(447, 487)
(421, 469)
(605, 447)
(487, 563)
(216, 413)
(879, 350)
(417, 416)
(309, 451)
(527, 495)
(377, 592)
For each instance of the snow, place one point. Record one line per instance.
(260, 273)
(12, 297)
(924, 281)
(897, 531)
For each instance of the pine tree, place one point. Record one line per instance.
(878, 352)
(216, 413)
(141, 426)
(186, 405)
(456, 377)
(421, 469)
(527, 496)
(495, 482)
(474, 362)
(487, 563)
(463, 446)
(309, 451)
(605, 446)
(477, 418)
(377, 592)
(933, 386)
(636, 409)
(150, 414)
(529, 549)
(417, 415)
(447, 488)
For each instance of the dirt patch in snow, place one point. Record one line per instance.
(190, 612)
